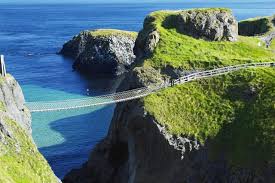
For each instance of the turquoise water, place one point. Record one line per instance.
(66, 137)
(42, 121)
(30, 36)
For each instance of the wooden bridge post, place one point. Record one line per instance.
(3, 66)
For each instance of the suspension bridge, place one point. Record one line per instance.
(47, 106)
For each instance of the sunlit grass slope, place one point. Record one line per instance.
(20, 160)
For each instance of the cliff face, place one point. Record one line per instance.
(257, 26)
(19, 158)
(213, 130)
(12, 99)
(101, 52)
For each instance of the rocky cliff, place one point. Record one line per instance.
(19, 158)
(257, 26)
(12, 100)
(101, 52)
(212, 130)
(263, 27)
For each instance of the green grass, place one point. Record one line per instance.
(185, 52)
(225, 110)
(109, 32)
(2, 106)
(272, 46)
(222, 110)
(20, 160)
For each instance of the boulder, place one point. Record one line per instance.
(101, 52)
(210, 24)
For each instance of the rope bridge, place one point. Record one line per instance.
(47, 106)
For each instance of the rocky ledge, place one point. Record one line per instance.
(101, 52)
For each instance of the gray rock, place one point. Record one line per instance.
(152, 41)
(147, 39)
(12, 100)
(269, 38)
(101, 52)
(209, 24)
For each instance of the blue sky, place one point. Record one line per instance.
(117, 1)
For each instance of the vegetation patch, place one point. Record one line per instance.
(236, 112)
(20, 161)
(2, 106)
(272, 45)
(114, 32)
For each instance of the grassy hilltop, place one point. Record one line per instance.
(235, 113)
(185, 52)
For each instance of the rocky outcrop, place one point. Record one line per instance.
(209, 24)
(19, 158)
(146, 43)
(101, 52)
(12, 98)
(256, 26)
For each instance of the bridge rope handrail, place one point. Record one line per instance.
(44, 106)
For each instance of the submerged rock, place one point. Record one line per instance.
(101, 52)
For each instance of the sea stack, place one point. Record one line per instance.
(104, 52)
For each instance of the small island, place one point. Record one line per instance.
(104, 52)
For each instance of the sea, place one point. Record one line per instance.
(30, 37)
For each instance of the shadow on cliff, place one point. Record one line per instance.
(81, 134)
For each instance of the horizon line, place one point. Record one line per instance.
(122, 2)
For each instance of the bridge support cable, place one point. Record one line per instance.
(132, 94)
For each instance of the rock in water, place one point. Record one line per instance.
(211, 24)
(101, 52)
